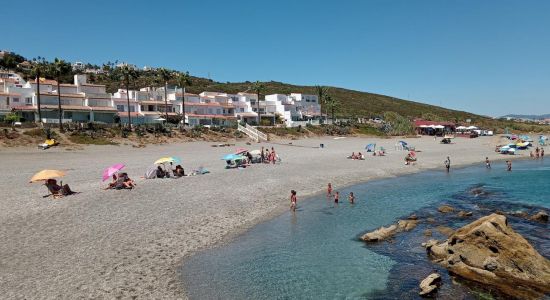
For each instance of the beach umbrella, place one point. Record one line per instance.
(107, 173)
(47, 174)
(240, 150)
(256, 152)
(168, 159)
(438, 127)
(232, 157)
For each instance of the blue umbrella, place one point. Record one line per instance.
(232, 157)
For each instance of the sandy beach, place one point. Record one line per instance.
(130, 243)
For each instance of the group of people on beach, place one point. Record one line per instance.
(267, 156)
(121, 181)
(539, 153)
(178, 172)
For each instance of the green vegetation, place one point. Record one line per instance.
(87, 139)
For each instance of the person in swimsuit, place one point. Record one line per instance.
(541, 153)
(509, 165)
(448, 164)
(329, 189)
(351, 198)
(487, 163)
(293, 200)
(336, 197)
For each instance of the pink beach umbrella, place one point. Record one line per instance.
(240, 150)
(107, 173)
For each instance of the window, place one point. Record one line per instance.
(28, 100)
(210, 111)
(132, 108)
(15, 100)
(142, 107)
(242, 109)
(120, 107)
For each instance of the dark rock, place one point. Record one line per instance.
(541, 216)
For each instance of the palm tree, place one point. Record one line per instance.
(37, 70)
(59, 68)
(322, 92)
(183, 80)
(332, 104)
(127, 74)
(164, 76)
(258, 87)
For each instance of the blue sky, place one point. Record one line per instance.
(488, 57)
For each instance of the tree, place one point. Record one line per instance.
(258, 87)
(183, 80)
(322, 92)
(164, 76)
(331, 104)
(38, 69)
(127, 74)
(58, 69)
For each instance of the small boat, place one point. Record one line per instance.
(523, 145)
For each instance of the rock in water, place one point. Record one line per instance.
(384, 233)
(380, 234)
(465, 214)
(445, 209)
(488, 251)
(541, 216)
(430, 284)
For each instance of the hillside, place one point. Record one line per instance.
(352, 103)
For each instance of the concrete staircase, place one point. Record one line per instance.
(252, 132)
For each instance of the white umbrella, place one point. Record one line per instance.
(461, 127)
(438, 126)
(471, 127)
(423, 126)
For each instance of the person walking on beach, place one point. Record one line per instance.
(293, 200)
(329, 190)
(509, 165)
(262, 156)
(351, 198)
(487, 163)
(448, 164)
(336, 197)
(273, 155)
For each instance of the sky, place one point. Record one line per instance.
(490, 57)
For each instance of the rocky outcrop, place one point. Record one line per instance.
(430, 284)
(488, 251)
(541, 216)
(445, 209)
(384, 233)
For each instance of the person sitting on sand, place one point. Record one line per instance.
(360, 156)
(179, 171)
(58, 190)
(124, 182)
(353, 156)
(112, 184)
(293, 200)
(160, 172)
(351, 198)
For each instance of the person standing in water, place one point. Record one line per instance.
(487, 163)
(329, 190)
(351, 198)
(336, 197)
(541, 153)
(293, 200)
(448, 164)
(509, 165)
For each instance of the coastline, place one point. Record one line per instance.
(220, 215)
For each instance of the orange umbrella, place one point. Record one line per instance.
(47, 174)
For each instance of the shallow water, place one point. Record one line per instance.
(315, 252)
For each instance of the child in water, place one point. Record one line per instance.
(487, 163)
(336, 197)
(293, 200)
(351, 198)
(329, 189)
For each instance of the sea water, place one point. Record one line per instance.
(315, 252)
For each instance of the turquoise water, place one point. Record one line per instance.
(315, 253)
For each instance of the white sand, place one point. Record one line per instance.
(107, 244)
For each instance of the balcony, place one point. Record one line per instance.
(99, 103)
